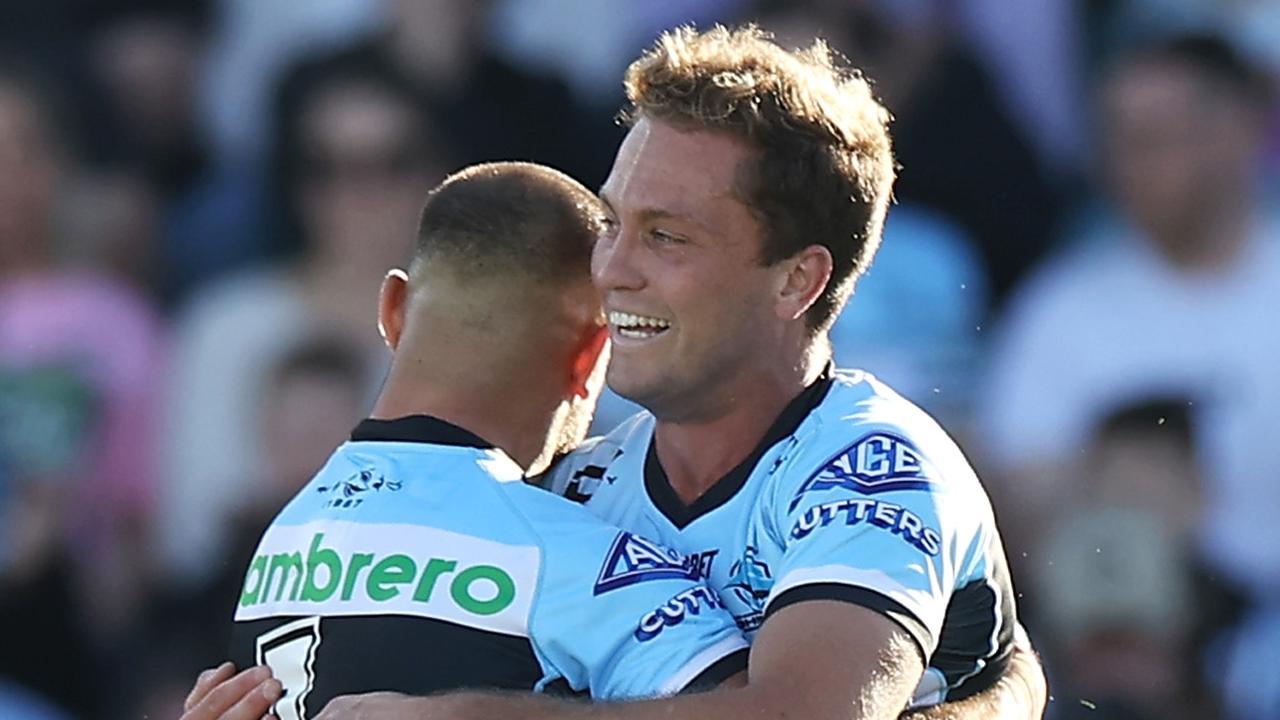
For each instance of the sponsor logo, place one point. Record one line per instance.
(633, 559)
(674, 611)
(895, 518)
(323, 574)
(702, 563)
(336, 568)
(350, 492)
(880, 462)
(584, 481)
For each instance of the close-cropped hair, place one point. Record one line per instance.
(506, 219)
(823, 172)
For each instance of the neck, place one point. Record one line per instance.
(514, 419)
(696, 454)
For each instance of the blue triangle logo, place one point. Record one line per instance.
(633, 559)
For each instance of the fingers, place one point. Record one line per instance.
(256, 704)
(246, 696)
(206, 681)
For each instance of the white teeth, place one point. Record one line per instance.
(637, 323)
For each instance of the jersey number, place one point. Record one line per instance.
(290, 652)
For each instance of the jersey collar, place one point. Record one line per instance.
(669, 503)
(418, 429)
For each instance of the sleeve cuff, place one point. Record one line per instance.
(719, 671)
(863, 597)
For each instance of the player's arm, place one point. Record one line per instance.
(1019, 694)
(818, 659)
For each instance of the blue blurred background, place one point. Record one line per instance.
(1081, 278)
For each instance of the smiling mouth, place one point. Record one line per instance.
(637, 327)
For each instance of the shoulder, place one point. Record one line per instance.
(560, 524)
(865, 439)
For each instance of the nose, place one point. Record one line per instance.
(614, 262)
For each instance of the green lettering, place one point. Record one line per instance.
(391, 570)
(461, 589)
(359, 561)
(285, 562)
(316, 557)
(435, 568)
(250, 597)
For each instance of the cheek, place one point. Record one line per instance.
(726, 308)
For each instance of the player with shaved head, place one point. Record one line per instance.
(418, 558)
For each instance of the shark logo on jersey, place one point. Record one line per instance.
(750, 581)
(633, 559)
(348, 493)
(879, 462)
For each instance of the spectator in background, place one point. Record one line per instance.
(364, 157)
(1177, 299)
(250, 45)
(109, 220)
(1125, 614)
(490, 108)
(78, 356)
(145, 61)
(1251, 25)
(960, 151)
(1118, 591)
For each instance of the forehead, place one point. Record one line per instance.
(684, 171)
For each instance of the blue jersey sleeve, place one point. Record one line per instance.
(620, 616)
(875, 524)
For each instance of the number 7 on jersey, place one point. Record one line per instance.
(290, 652)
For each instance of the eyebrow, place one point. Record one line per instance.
(652, 213)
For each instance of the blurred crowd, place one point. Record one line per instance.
(198, 200)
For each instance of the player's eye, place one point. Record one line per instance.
(662, 237)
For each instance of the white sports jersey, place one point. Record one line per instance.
(854, 494)
(418, 560)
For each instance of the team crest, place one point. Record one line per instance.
(750, 581)
(350, 492)
(633, 559)
(880, 462)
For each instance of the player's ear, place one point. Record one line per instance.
(591, 351)
(802, 280)
(391, 306)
